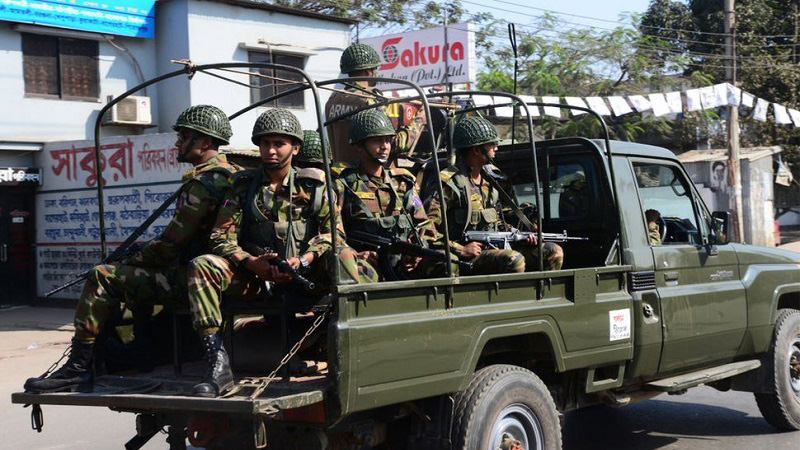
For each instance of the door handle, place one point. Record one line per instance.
(671, 276)
(3, 252)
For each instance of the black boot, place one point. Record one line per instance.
(218, 378)
(75, 374)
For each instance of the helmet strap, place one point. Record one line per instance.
(486, 154)
(186, 149)
(271, 167)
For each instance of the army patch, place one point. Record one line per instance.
(366, 195)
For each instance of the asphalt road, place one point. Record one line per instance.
(702, 419)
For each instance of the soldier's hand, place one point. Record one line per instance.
(471, 251)
(531, 239)
(370, 256)
(410, 262)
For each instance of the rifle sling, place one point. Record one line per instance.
(510, 201)
(144, 226)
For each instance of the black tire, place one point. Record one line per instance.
(781, 406)
(503, 400)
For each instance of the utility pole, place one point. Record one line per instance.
(734, 171)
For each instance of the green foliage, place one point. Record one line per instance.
(588, 62)
(767, 55)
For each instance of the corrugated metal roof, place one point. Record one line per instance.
(751, 154)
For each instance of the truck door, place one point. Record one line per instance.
(703, 305)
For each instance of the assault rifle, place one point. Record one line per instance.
(124, 250)
(281, 263)
(503, 239)
(396, 245)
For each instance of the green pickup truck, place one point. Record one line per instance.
(492, 362)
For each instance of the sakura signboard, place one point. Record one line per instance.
(424, 56)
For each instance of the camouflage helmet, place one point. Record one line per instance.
(370, 123)
(474, 131)
(311, 151)
(206, 119)
(359, 57)
(277, 121)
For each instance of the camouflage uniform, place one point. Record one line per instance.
(155, 274)
(388, 206)
(472, 207)
(653, 233)
(255, 214)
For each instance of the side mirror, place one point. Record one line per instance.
(720, 227)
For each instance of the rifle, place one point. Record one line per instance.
(281, 263)
(503, 239)
(397, 245)
(125, 249)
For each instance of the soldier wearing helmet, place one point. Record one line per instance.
(279, 208)
(360, 60)
(381, 200)
(357, 60)
(310, 154)
(472, 202)
(155, 274)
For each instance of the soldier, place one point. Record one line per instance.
(277, 207)
(383, 201)
(472, 202)
(154, 274)
(653, 234)
(357, 60)
(310, 154)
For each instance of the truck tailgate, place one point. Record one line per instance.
(134, 394)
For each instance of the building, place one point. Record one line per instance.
(709, 171)
(58, 74)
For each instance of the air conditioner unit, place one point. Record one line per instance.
(133, 110)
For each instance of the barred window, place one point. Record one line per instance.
(58, 67)
(276, 81)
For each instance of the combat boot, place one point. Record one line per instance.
(75, 374)
(218, 378)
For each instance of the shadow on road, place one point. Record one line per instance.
(655, 424)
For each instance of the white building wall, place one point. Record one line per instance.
(37, 119)
(216, 31)
(172, 37)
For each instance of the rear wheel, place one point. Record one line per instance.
(505, 407)
(781, 405)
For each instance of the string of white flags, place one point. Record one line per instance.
(659, 104)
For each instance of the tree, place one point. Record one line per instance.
(590, 62)
(767, 57)
(389, 14)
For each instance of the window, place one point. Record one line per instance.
(277, 81)
(665, 190)
(57, 67)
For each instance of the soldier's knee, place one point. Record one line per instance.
(515, 262)
(204, 264)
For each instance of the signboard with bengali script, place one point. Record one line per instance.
(140, 173)
(425, 58)
(135, 18)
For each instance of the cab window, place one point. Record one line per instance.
(668, 205)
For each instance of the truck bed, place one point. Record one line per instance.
(163, 391)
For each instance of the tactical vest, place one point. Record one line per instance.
(288, 238)
(199, 245)
(462, 216)
(397, 225)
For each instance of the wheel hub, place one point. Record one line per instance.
(517, 428)
(794, 365)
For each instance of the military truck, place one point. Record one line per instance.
(493, 361)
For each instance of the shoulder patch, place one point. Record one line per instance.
(447, 174)
(311, 173)
(402, 172)
(339, 167)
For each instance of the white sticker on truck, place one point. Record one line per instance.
(619, 322)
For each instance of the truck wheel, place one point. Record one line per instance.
(781, 408)
(505, 407)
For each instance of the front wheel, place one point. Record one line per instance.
(503, 408)
(780, 406)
